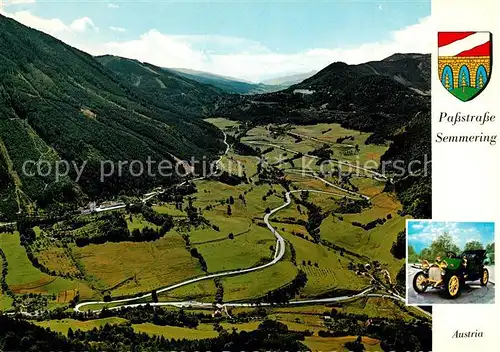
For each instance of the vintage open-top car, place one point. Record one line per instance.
(452, 272)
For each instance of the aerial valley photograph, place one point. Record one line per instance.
(212, 175)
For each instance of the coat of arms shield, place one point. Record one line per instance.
(464, 62)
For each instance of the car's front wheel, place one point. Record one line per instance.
(419, 282)
(485, 277)
(452, 286)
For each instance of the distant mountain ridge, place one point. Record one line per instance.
(389, 98)
(173, 88)
(411, 70)
(287, 81)
(226, 84)
(238, 86)
(188, 71)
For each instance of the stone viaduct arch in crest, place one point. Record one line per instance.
(447, 77)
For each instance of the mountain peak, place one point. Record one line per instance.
(400, 56)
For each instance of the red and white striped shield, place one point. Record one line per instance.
(464, 62)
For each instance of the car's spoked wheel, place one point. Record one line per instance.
(485, 277)
(452, 286)
(419, 282)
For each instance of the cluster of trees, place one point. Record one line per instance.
(196, 254)
(26, 233)
(230, 179)
(164, 220)
(355, 346)
(114, 228)
(293, 253)
(359, 267)
(323, 152)
(18, 335)
(219, 293)
(345, 138)
(176, 193)
(398, 249)
(490, 252)
(268, 194)
(395, 335)
(413, 188)
(299, 234)
(314, 216)
(31, 302)
(352, 151)
(443, 244)
(279, 130)
(291, 159)
(3, 279)
(245, 149)
(343, 251)
(7, 228)
(401, 279)
(156, 316)
(309, 263)
(194, 216)
(371, 225)
(352, 206)
(267, 150)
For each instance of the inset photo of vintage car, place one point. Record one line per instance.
(450, 262)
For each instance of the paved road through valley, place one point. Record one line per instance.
(278, 254)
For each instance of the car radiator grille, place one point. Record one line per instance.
(435, 273)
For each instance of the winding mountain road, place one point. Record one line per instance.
(377, 175)
(278, 255)
(194, 304)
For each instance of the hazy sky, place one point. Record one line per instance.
(252, 39)
(422, 233)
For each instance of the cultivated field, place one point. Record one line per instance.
(232, 236)
(126, 268)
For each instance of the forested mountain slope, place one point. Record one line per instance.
(410, 70)
(388, 98)
(165, 86)
(57, 102)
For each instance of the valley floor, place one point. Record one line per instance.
(338, 233)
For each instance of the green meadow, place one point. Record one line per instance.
(232, 240)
